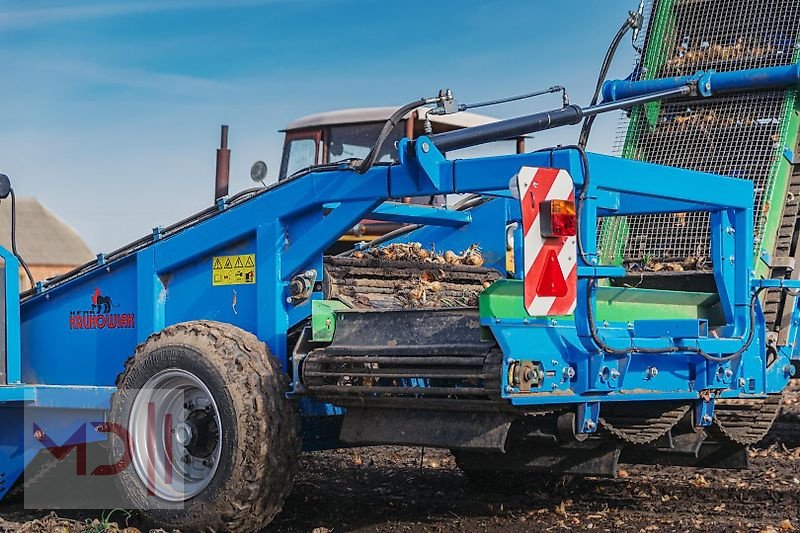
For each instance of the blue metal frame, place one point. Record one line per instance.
(59, 411)
(288, 228)
(12, 347)
(169, 281)
(617, 189)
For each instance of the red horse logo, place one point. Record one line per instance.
(100, 303)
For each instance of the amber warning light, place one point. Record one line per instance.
(558, 218)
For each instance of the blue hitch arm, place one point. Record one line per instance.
(708, 82)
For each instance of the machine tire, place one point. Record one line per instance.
(260, 427)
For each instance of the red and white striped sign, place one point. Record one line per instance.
(551, 275)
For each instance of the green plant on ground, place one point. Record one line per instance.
(105, 524)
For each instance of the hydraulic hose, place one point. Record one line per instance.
(634, 21)
(372, 156)
(14, 239)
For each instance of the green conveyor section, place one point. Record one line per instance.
(744, 136)
(502, 300)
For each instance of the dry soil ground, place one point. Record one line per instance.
(404, 489)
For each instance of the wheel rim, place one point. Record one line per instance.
(175, 435)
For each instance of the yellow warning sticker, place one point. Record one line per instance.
(233, 270)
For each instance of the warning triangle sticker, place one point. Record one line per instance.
(249, 262)
(217, 264)
(228, 263)
(238, 263)
(552, 282)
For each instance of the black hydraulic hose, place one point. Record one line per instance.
(367, 163)
(14, 239)
(598, 340)
(634, 20)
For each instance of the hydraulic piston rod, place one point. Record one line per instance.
(708, 82)
(545, 120)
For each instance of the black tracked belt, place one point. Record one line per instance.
(746, 421)
(641, 422)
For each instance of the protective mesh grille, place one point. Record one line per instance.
(740, 136)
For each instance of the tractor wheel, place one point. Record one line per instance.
(212, 439)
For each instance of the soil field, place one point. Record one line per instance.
(409, 489)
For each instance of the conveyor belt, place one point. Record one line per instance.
(776, 310)
(430, 357)
(743, 136)
(373, 283)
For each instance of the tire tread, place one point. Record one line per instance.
(262, 478)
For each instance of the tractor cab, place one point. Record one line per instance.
(350, 133)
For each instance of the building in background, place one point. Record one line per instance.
(48, 244)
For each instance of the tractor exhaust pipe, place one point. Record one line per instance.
(223, 166)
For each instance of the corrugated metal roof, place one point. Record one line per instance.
(42, 238)
(381, 114)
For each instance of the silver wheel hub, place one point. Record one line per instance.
(175, 435)
(183, 434)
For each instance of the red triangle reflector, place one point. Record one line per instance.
(552, 282)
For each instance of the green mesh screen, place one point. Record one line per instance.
(742, 136)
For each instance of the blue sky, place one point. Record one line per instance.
(110, 111)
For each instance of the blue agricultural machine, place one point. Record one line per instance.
(210, 352)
